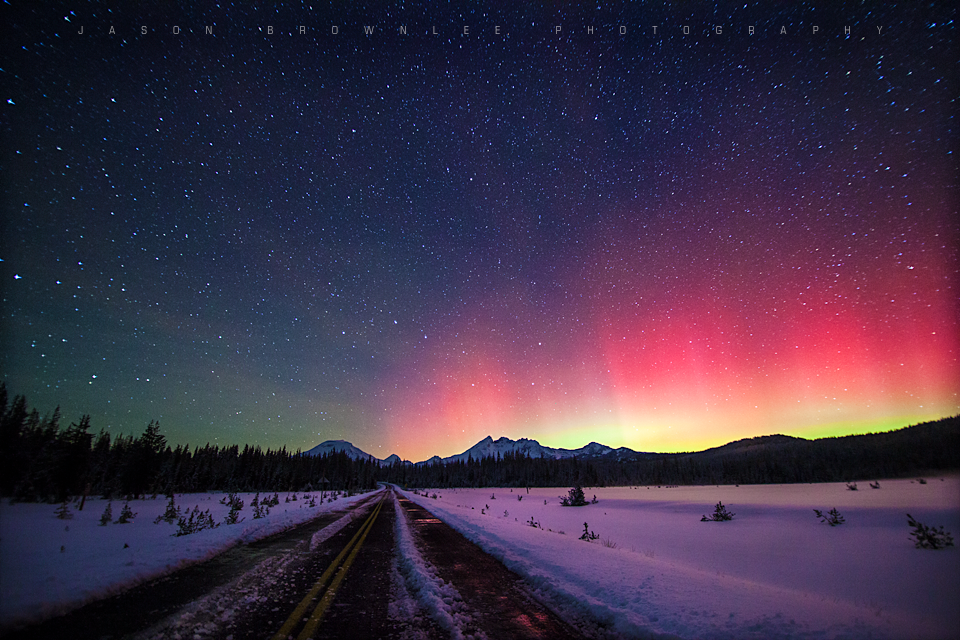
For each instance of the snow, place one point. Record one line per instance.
(440, 599)
(49, 566)
(486, 448)
(490, 448)
(774, 571)
(333, 446)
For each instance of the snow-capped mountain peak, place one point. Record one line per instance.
(490, 448)
(331, 446)
(486, 448)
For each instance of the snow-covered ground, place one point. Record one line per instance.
(49, 566)
(774, 571)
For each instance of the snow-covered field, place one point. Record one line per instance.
(49, 566)
(774, 571)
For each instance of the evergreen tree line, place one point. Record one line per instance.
(912, 451)
(40, 460)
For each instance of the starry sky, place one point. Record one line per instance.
(665, 241)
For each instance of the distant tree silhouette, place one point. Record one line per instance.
(39, 461)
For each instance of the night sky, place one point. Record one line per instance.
(661, 241)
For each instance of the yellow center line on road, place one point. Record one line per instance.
(351, 548)
(332, 590)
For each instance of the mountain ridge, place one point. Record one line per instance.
(335, 446)
(914, 450)
(488, 447)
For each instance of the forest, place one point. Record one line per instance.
(923, 449)
(41, 460)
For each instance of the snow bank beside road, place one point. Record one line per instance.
(49, 566)
(441, 600)
(774, 571)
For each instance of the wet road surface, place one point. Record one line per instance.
(499, 603)
(134, 610)
(306, 583)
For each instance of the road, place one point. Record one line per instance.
(334, 577)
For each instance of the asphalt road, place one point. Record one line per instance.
(306, 583)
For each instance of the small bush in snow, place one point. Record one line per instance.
(171, 514)
(594, 501)
(833, 517)
(575, 498)
(874, 485)
(608, 543)
(519, 498)
(851, 486)
(533, 523)
(720, 514)
(107, 515)
(588, 535)
(234, 516)
(235, 502)
(195, 521)
(260, 508)
(922, 481)
(929, 537)
(63, 511)
(126, 514)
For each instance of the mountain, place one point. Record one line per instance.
(490, 448)
(754, 445)
(331, 446)
(911, 451)
(486, 448)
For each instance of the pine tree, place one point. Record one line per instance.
(575, 498)
(107, 515)
(236, 504)
(587, 534)
(63, 511)
(195, 521)
(833, 517)
(261, 510)
(720, 514)
(929, 537)
(126, 514)
(171, 513)
(72, 457)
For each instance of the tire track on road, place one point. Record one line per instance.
(497, 603)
